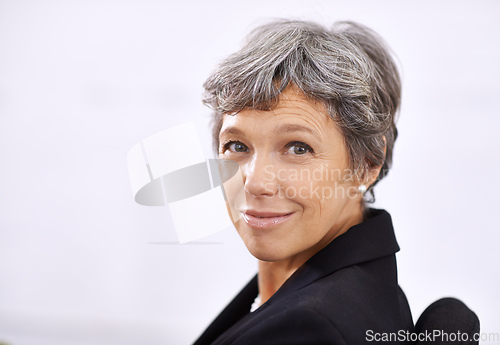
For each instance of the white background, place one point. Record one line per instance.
(81, 82)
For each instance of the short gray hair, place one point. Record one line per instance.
(349, 69)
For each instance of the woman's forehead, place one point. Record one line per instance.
(293, 109)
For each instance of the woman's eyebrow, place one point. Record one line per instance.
(231, 130)
(295, 128)
(285, 128)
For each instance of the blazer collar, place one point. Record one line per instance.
(372, 239)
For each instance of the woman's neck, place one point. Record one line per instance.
(273, 274)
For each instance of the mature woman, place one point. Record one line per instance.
(309, 116)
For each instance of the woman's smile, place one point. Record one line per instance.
(264, 219)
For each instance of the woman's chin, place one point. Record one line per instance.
(265, 251)
(266, 256)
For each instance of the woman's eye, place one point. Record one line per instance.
(235, 146)
(299, 148)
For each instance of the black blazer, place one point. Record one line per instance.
(347, 293)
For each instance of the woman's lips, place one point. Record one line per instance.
(263, 220)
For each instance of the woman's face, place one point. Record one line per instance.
(298, 192)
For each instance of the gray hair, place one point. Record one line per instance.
(349, 69)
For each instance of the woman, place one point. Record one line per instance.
(309, 116)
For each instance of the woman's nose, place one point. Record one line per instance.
(259, 176)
